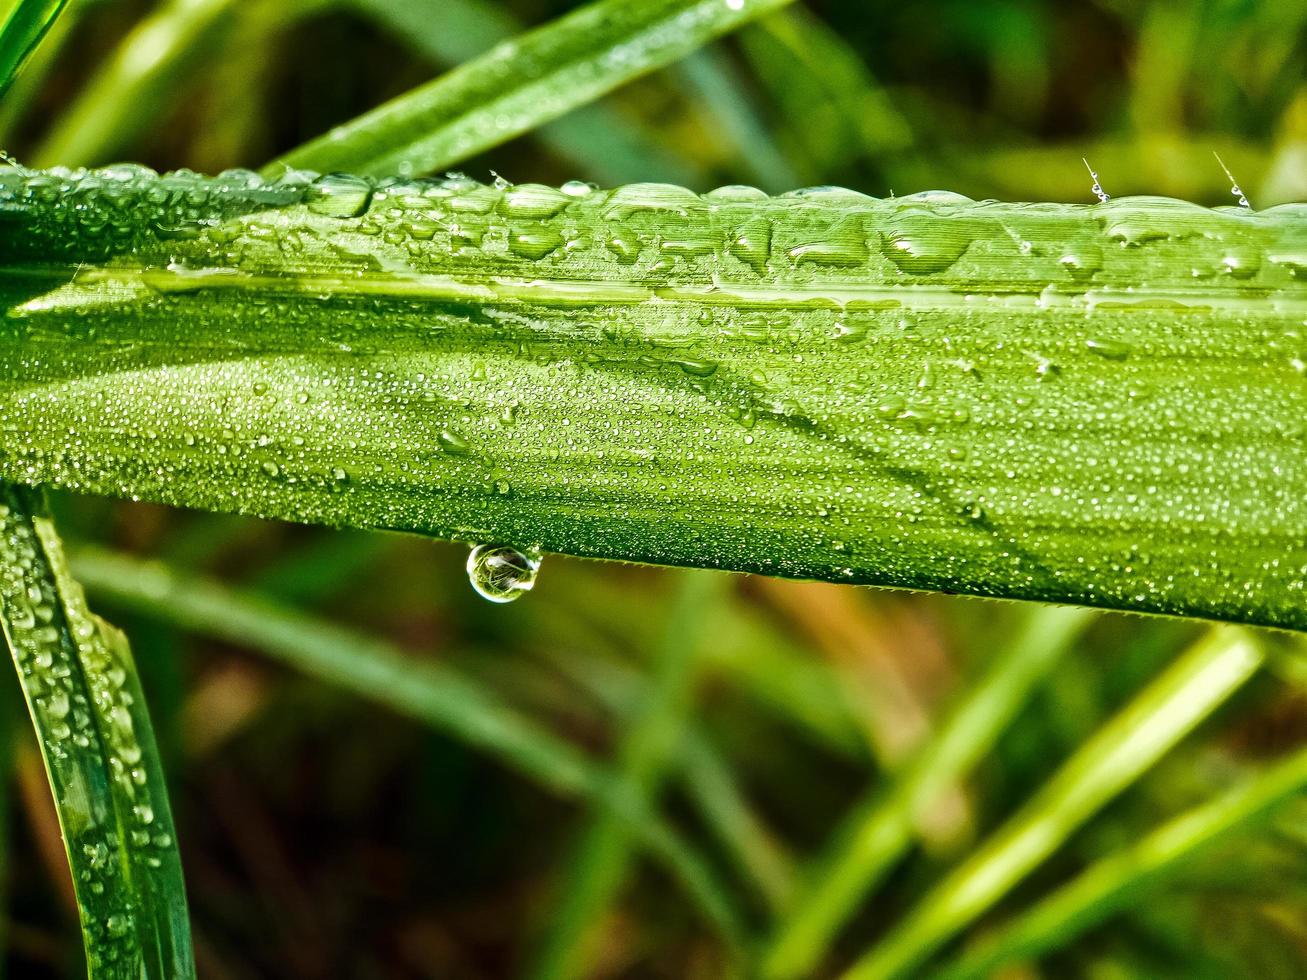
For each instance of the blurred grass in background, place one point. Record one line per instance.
(420, 789)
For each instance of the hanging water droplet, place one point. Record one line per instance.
(500, 572)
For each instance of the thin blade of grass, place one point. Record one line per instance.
(882, 826)
(432, 693)
(709, 781)
(26, 86)
(602, 857)
(1132, 874)
(86, 703)
(719, 91)
(127, 92)
(604, 144)
(22, 31)
(1113, 758)
(832, 109)
(521, 84)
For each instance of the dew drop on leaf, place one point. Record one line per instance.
(500, 572)
(339, 195)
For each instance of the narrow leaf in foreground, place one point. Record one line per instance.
(521, 84)
(604, 144)
(1092, 404)
(85, 699)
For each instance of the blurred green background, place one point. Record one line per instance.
(324, 834)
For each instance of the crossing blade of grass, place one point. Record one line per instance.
(432, 693)
(832, 108)
(713, 788)
(85, 700)
(602, 858)
(779, 675)
(126, 91)
(881, 827)
(1133, 874)
(707, 777)
(521, 84)
(718, 89)
(1113, 758)
(22, 31)
(605, 145)
(136, 84)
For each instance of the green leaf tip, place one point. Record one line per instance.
(1096, 404)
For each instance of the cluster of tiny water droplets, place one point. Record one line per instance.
(74, 674)
(925, 390)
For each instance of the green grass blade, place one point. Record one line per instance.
(708, 779)
(85, 699)
(714, 789)
(1129, 876)
(519, 85)
(21, 32)
(603, 855)
(604, 144)
(1029, 401)
(129, 90)
(717, 88)
(832, 109)
(26, 87)
(881, 827)
(1113, 758)
(432, 693)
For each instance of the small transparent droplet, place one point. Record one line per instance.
(500, 572)
(1097, 189)
(1235, 190)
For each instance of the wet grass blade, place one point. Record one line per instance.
(602, 143)
(881, 827)
(1133, 874)
(85, 699)
(1113, 758)
(432, 693)
(21, 32)
(519, 85)
(1029, 401)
